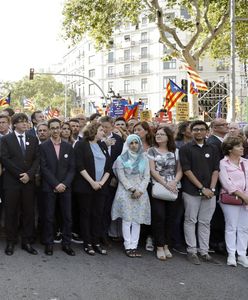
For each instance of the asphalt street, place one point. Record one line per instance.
(115, 276)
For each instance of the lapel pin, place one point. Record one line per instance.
(27, 143)
(66, 156)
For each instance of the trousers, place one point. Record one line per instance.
(131, 233)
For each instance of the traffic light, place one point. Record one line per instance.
(31, 74)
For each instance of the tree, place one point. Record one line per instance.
(43, 90)
(208, 24)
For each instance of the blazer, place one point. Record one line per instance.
(15, 163)
(32, 132)
(116, 149)
(54, 170)
(215, 141)
(85, 161)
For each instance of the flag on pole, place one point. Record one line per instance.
(193, 90)
(173, 94)
(98, 109)
(131, 111)
(195, 77)
(219, 110)
(28, 104)
(50, 113)
(5, 101)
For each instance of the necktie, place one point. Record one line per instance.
(22, 144)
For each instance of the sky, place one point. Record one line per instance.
(30, 36)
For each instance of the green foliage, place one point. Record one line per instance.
(98, 19)
(44, 90)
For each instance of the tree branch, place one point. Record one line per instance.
(212, 34)
(164, 28)
(197, 24)
(205, 15)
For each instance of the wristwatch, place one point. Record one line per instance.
(212, 189)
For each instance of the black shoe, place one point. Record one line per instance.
(89, 249)
(49, 250)
(100, 249)
(58, 238)
(75, 238)
(9, 250)
(68, 250)
(29, 249)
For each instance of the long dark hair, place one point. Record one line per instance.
(181, 130)
(149, 135)
(171, 141)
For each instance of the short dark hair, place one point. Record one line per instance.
(74, 120)
(94, 116)
(3, 116)
(52, 121)
(34, 113)
(198, 122)
(229, 143)
(90, 131)
(19, 117)
(10, 111)
(171, 145)
(42, 124)
(106, 119)
(121, 119)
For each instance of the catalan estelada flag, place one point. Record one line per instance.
(173, 94)
(28, 104)
(5, 101)
(131, 111)
(192, 89)
(195, 77)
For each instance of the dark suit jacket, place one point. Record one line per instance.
(215, 141)
(54, 170)
(85, 161)
(32, 132)
(15, 163)
(116, 149)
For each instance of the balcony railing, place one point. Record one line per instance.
(145, 71)
(144, 41)
(127, 92)
(222, 68)
(126, 74)
(111, 75)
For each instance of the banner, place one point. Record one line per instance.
(182, 111)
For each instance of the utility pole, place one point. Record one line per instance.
(232, 70)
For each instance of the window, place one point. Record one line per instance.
(127, 38)
(127, 69)
(143, 84)
(166, 80)
(169, 64)
(127, 54)
(144, 67)
(144, 52)
(111, 57)
(126, 85)
(91, 89)
(144, 20)
(143, 37)
(91, 59)
(110, 85)
(91, 73)
(110, 71)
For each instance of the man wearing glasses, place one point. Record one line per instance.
(200, 165)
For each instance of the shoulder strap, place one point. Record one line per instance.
(243, 169)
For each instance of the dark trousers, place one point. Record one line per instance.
(106, 220)
(75, 214)
(18, 201)
(161, 221)
(91, 214)
(217, 227)
(64, 200)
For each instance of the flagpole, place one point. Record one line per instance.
(232, 83)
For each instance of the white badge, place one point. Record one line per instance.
(207, 155)
(27, 143)
(66, 156)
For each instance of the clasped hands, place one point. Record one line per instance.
(97, 185)
(171, 186)
(24, 178)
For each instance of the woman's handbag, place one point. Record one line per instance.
(162, 193)
(226, 198)
(230, 199)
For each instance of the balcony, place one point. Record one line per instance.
(222, 68)
(144, 41)
(110, 75)
(126, 74)
(127, 59)
(144, 56)
(145, 71)
(127, 92)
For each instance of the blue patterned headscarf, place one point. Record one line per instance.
(133, 162)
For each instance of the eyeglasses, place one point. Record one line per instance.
(160, 134)
(199, 129)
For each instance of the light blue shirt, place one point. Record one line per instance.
(99, 159)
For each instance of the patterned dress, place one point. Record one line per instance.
(127, 208)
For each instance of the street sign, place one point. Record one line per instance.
(182, 111)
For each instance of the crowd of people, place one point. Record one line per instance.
(96, 180)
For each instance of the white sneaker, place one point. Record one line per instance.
(167, 253)
(243, 261)
(231, 261)
(149, 244)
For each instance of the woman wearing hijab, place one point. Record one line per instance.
(131, 202)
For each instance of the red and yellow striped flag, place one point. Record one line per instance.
(195, 77)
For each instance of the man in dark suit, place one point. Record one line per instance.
(115, 145)
(57, 171)
(36, 117)
(219, 128)
(20, 158)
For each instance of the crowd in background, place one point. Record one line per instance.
(97, 180)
